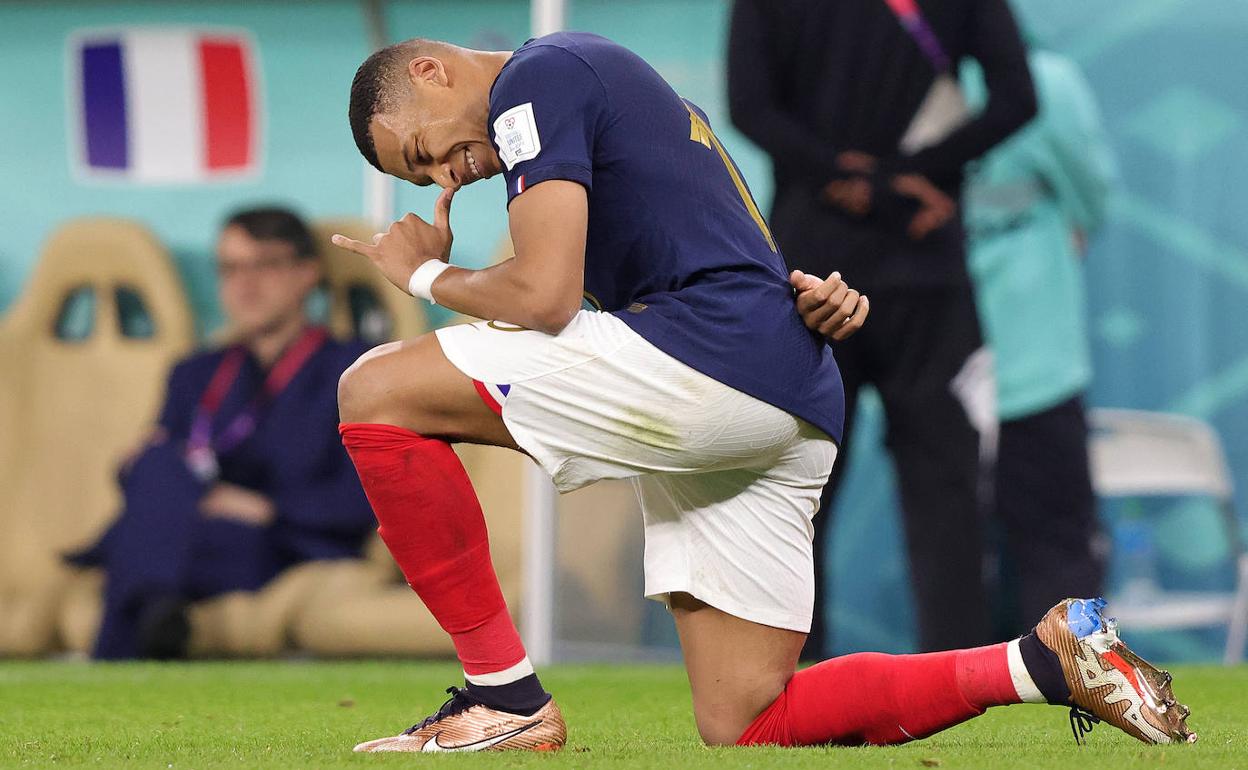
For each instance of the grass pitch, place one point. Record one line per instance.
(283, 714)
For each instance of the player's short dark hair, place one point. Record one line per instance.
(275, 223)
(373, 90)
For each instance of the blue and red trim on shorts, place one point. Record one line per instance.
(493, 395)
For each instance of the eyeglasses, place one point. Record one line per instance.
(265, 266)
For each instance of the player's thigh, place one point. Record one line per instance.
(736, 667)
(412, 385)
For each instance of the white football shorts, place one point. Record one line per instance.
(728, 484)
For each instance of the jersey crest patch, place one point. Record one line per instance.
(515, 134)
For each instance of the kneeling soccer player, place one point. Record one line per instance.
(694, 375)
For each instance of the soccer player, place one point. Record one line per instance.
(692, 374)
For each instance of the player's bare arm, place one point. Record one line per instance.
(539, 288)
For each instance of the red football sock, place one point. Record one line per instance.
(432, 523)
(884, 699)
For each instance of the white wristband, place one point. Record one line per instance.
(421, 282)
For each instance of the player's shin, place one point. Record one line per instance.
(880, 699)
(432, 523)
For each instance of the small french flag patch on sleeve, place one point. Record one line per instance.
(163, 104)
(519, 184)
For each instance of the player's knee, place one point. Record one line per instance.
(361, 386)
(717, 737)
(349, 394)
(726, 709)
(719, 728)
(721, 718)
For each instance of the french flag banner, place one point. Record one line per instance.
(164, 105)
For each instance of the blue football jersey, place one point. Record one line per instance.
(676, 246)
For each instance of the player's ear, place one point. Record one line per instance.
(428, 69)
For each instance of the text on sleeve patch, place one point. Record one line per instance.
(515, 134)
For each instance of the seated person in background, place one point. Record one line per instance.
(244, 474)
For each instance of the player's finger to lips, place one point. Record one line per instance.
(442, 208)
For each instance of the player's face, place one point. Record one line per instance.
(437, 136)
(262, 284)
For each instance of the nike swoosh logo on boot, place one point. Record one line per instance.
(433, 745)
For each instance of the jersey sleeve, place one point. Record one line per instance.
(547, 112)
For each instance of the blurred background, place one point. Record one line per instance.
(1167, 284)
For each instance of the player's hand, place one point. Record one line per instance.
(230, 501)
(935, 208)
(829, 307)
(409, 243)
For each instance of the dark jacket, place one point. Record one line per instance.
(295, 456)
(808, 79)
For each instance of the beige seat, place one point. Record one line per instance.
(74, 402)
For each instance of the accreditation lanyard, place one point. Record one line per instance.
(911, 18)
(202, 448)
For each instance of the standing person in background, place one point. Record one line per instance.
(1031, 204)
(243, 475)
(857, 104)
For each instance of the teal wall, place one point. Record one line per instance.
(309, 159)
(1168, 279)
(306, 59)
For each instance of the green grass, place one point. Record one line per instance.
(262, 715)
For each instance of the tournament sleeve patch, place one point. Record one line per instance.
(515, 134)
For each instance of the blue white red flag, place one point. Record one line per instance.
(164, 105)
